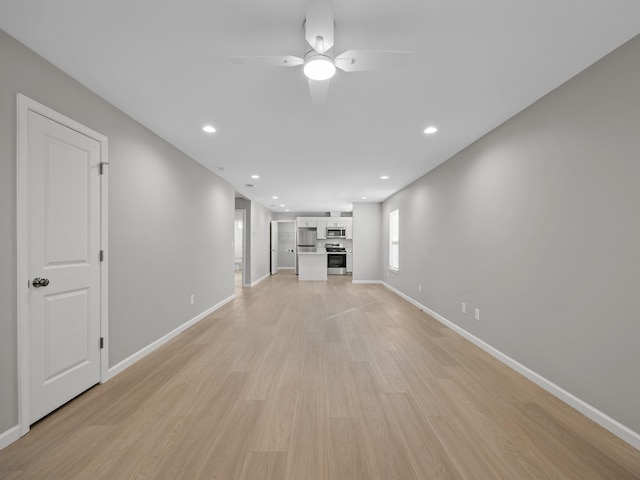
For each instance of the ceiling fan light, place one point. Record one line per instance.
(319, 67)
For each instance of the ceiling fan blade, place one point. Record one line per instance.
(319, 90)
(360, 60)
(318, 26)
(269, 60)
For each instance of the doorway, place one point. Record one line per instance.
(286, 244)
(274, 247)
(62, 269)
(239, 248)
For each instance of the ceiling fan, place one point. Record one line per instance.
(319, 63)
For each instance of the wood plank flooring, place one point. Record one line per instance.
(315, 381)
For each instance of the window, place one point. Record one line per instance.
(394, 243)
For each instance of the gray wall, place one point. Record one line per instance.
(367, 244)
(538, 225)
(170, 220)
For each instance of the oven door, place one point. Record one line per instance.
(336, 263)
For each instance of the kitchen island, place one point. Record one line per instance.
(312, 265)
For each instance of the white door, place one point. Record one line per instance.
(63, 205)
(274, 248)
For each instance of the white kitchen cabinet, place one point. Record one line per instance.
(349, 231)
(312, 266)
(341, 222)
(349, 262)
(336, 223)
(307, 223)
(321, 224)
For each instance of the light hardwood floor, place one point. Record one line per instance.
(307, 381)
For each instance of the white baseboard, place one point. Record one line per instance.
(260, 279)
(615, 427)
(127, 362)
(14, 433)
(368, 282)
(10, 436)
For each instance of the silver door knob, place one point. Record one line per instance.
(40, 282)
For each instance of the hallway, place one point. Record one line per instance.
(316, 380)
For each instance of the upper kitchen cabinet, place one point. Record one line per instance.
(322, 230)
(349, 231)
(336, 223)
(322, 223)
(303, 222)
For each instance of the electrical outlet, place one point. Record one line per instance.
(419, 287)
(477, 315)
(193, 299)
(464, 307)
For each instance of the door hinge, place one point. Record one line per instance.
(101, 342)
(101, 167)
(102, 255)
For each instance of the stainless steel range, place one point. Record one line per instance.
(336, 259)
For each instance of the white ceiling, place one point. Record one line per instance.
(473, 65)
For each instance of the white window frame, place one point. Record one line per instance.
(394, 240)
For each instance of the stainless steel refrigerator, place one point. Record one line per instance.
(306, 241)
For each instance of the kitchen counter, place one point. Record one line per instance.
(312, 265)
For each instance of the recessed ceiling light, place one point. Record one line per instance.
(363, 198)
(282, 204)
(275, 197)
(209, 129)
(430, 130)
(286, 209)
(255, 176)
(384, 177)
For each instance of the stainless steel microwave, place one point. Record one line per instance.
(336, 232)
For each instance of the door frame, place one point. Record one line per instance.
(24, 105)
(272, 248)
(243, 211)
